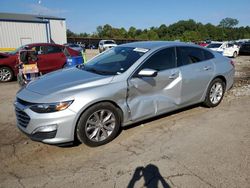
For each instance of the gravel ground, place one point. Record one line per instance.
(193, 147)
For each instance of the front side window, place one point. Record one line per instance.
(53, 49)
(162, 60)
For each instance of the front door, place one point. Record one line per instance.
(50, 58)
(148, 96)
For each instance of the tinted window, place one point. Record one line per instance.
(162, 60)
(208, 55)
(214, 45)
(189, 55)
(109, 42)
(53, 49)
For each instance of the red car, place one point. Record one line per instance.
(50, 58)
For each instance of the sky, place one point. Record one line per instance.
(85, 15)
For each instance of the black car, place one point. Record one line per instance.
(245, 48)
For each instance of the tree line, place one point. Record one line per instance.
(184, 30)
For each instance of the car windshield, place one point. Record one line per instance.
(73, 45)
(214, 45)
(16, 50)
(109, 42)
(114, 61)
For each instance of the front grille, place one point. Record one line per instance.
(22, 118)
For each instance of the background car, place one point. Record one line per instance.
(124, 85)
(75, 47)
(50, 58)
(225, 48)
(245, 48)
(106, 44)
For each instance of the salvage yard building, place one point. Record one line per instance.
(21, 29)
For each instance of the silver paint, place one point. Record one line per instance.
(137, 97)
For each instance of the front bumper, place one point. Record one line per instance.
(51, 128)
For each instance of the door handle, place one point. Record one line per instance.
(173, 76)
(207, 68)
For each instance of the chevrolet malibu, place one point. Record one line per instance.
(119, 87)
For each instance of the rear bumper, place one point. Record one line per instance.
(230, 79)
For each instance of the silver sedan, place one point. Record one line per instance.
(124, 85)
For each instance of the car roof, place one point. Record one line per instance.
(106, 40)
(156, 44)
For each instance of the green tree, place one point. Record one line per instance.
(99, 31)
(70, 33)
(132, 32)
(191, 36)
(107, 31)
(228, 23)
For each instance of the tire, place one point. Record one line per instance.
(65, 65)
(98, 125)
(235, 54)
(6, 74)
(213, 97)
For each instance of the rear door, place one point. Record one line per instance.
(148, 96)
(50, 58)
(197, 69)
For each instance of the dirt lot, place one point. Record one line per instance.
(194, 147)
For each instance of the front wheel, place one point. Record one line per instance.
(215, 93)
(98, 125)
(6, 74)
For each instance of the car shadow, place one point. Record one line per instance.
(151, 176)
(76, 143)
(161, 116)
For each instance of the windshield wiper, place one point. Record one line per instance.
(102, 72)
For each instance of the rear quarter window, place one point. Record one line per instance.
(189, 55)
(208, 55)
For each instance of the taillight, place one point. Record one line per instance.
(232, 63)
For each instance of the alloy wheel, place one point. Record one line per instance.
(100, 125)
(216, 93)
(5, 74)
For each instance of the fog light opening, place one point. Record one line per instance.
(46, 128)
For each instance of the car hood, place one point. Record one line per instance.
(4, 54)
(67, 80)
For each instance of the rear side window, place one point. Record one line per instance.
(53, 49)
(208, 55)
(189, 55)
(162, 60)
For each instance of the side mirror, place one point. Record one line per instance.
(147, 73)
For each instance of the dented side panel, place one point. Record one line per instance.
(150, 96)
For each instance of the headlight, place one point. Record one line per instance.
(51, 107)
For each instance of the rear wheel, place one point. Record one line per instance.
(98, 125)
(215, 93)
(6, 74)
(234, 54)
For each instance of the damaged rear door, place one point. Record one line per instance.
(149, 96)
